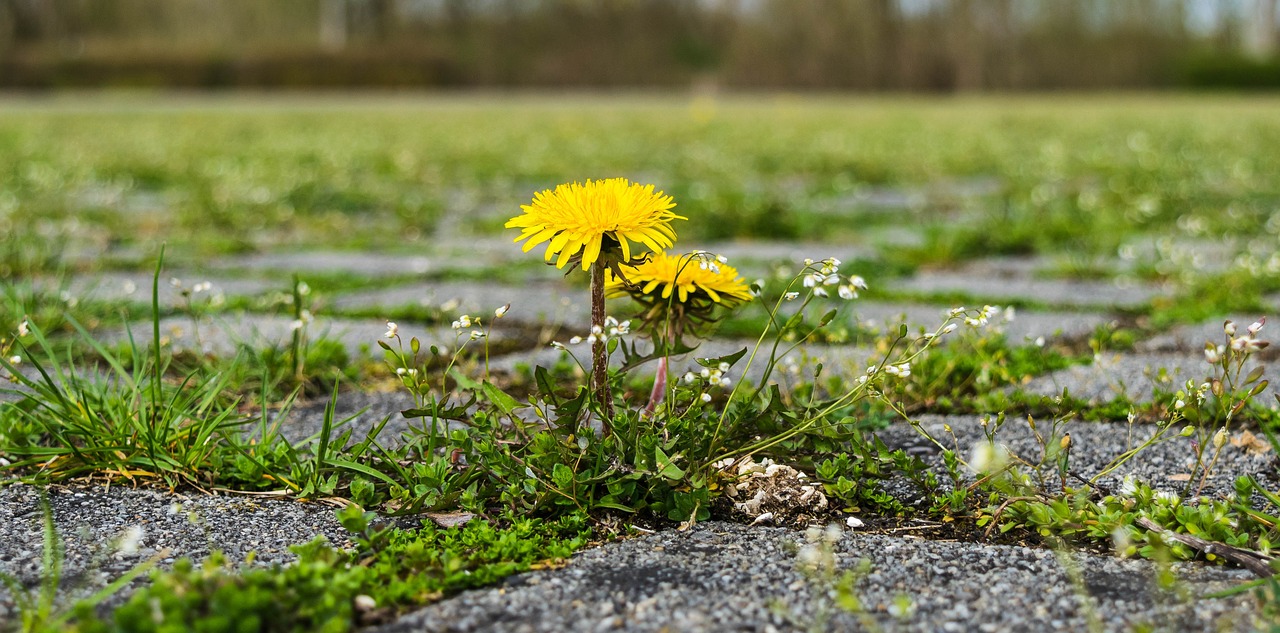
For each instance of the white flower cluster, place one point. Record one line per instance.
(465, 321)
(901, 370)
(709, 261)
(714, 377)
(1242, 344)
(612, 328)
(983, 316)
(818, 555)
(828, 274)
(303, 319)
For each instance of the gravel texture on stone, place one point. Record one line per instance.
(1134, 376)
(136, 287)
(1165, 465)
(1015, 279)
(554, 302)
(225, 334)
(1026, 325)
(92, 520)
(1192, 338)
(728, 577)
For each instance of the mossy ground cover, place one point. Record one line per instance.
(1069, 201)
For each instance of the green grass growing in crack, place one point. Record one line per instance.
(390, 571)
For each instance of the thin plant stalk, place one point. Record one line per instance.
(599, 356)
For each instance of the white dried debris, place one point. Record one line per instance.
(767, 491)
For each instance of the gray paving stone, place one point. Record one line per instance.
(91, 519)
(480, 254)
(136, 287)
(554, 302)
(224, 334)
(1026, 325)
(727, 577)
(1133, 376)
(1006, 282)
(1192, 338)
(1164, 466)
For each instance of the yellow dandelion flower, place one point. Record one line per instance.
(691, 278)
(584, 219)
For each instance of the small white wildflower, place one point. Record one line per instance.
(129, 541)
(365, 603)
(1256, 326)
(15, 360)
(477, 334)
(706, 373)
(175, 282)
(203, 286)
(129, 287)
(831, 280)
(846, 292)
(23, 328)
(820, 292)
(1212, 354)
(297, 324)
(1128, 487)
(303, 288)
(689, 377)
(610, 322)
(1179, 404)
(1230, 328)
(988, 457)
(808, 262)
(412, 372)
(1168, 497)
(558, 345)
(832, 534)
(592, 338)
(400, 371)
(726, 383)
(499, 312)
(955, 312)
(393, 330)
(596, 329)
(722, 259)
(465, 320)
(1039, 341)
(724, 366)
(575, 340)
(706, 397)
(811, 280)
(950, 327)
(791, 295)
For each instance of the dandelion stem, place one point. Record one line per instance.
(600, 357)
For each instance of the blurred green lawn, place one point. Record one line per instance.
(1000, 175)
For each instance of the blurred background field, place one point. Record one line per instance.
(968, 177)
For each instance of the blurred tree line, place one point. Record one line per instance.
(900, 45)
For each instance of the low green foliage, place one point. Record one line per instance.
(331, 590)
